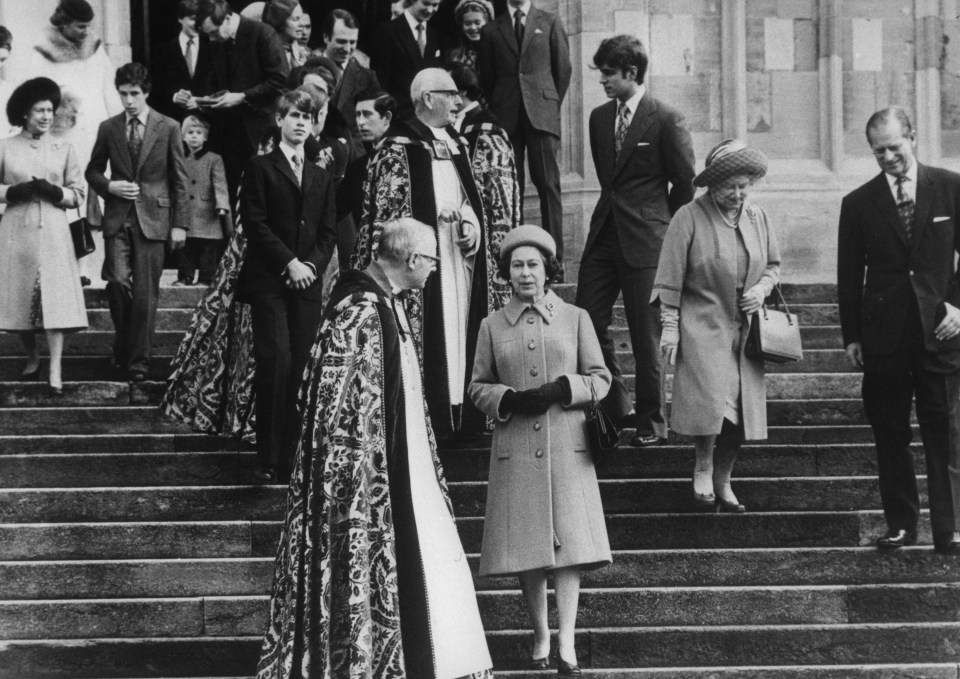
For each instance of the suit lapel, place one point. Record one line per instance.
(641, 122)
(348, 83)
(530, 27)
(605, 121)
(887, 207)
(506, 27)
(407, 40)
(284, 166)
(922, 201)
(151, 133)
(240, 43)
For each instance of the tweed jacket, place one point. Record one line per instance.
(206, 194)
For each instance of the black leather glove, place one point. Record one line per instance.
(557, 391)
(527, 402)
(47, 191)
(20, 193)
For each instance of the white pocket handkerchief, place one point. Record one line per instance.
(537, 31)
(437, 55)
(940, 219)
(643, 143)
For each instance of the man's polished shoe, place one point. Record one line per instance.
(137, 375)
(643, 440)
(949, 547)
(895, 539)
(265, 473)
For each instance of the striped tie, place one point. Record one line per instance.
(906, 207)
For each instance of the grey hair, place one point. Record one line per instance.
(425, 81)
(402, 238)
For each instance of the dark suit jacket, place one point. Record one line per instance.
(354, 80)
(535, 75)
(898, 275)
(160, 173)
(283, 221)
(396, 59)
(168, 70)
(650, 180)
(257, 66)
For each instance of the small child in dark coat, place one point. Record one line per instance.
(208, 205)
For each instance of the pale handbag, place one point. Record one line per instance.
(774, 335)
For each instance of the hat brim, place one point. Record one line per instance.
(746, 161)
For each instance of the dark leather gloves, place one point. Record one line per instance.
(20, 193)
(535, 401)
(47, 191)
(557, 391)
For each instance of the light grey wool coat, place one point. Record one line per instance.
(542, 479)
(698, 274)
(206, 193)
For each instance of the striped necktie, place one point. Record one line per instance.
(906, 207)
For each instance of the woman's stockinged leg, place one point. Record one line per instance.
(703, 471)
(567, 584)
(29, 341)
(55, 344)
(534, 586)
(728, 448)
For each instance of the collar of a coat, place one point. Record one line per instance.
(55, 47)
(546, 307)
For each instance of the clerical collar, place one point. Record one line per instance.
(546, 307)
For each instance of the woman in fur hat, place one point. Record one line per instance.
(39, 276)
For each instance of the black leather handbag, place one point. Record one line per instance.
(774, 335)
(601, 432)
(83, 243)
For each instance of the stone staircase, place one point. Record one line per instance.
(131, 547)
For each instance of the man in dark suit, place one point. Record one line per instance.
(144, 200)
(180, 68)
(405, 46)
(644, 159)
(340, 33)
(524, 67)
(902, 325)
(250, 67)
(289, 216)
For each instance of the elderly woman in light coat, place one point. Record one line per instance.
(538, 364)
(718, 263)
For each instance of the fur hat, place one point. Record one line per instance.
(29, 93)
(76, 10)
(528, 234)
(729, 158)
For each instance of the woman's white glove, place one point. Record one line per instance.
(670, 335)
(752, 299)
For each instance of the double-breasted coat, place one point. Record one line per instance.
(206, 194)
(698, 274)
(543, 487)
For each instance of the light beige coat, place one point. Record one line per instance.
(542, 480)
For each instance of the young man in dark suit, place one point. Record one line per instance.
(250, 67)
(645, 164)
(181, 68)
(289, 215)
(144, 200)
(405, 46)
(524, 67)
(902, 325)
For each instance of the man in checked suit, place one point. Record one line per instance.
(180, 68)
(290, 219)
(901, 325)
(144, 200)
(644, 159)
(405, 46)
(524, 66)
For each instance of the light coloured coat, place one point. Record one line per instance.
(206, 194)
(698, 274)
(542, 482)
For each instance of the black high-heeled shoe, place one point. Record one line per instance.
(565, 669)
(728, 507)
(539, 664)
(32, 375)
(54, 392)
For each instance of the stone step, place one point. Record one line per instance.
(78, 444)
(231, 616)
(220, 468)
(99, 342)
(170, 297)
(267, 503)
(83, 368)
(604, 647)
(190, 577)
(212, 539)
(147, 419)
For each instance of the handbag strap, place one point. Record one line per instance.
(593, 395)
(782, 300)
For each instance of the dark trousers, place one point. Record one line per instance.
(604, 274)
(284, 329)
(202, 254)
(542, 150)
(888, 391)
(132, 266)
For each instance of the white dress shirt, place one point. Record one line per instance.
(525, 7)
(192, 65)
(413, 23)
(632, 104)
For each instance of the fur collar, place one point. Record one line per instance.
(58, 49)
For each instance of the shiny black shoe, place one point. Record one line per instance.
(727, 507)
(265, 473)
(32, 375)
(895, 539)
(54, 392)
(137, 375)
(949, 547)
(539, 664)
(565, 669)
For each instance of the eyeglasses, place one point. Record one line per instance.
(449, 93)
(435, 260)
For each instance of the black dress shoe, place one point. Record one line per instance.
(31, 375)
(643, 440)
(54, 392)
(950, 547)
(727, 507)
(265, 473)
(539, 664)
(84, 282)
(137, 375)
(565, 669)
(895, 539)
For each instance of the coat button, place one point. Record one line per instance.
(539, 452)
(532, 345)
(534, 372)
(537, 426)
(530, 320)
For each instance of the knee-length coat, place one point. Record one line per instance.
(543, 486)
(698, 273)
